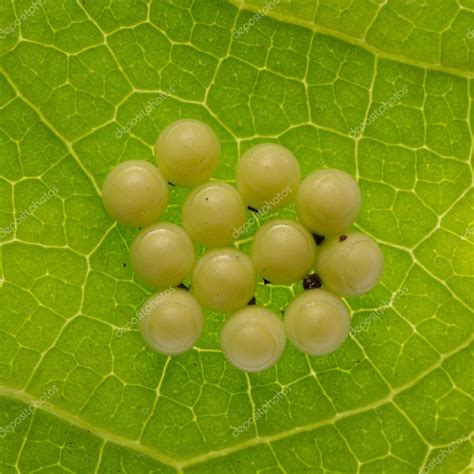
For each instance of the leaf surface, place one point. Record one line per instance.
(396, 396)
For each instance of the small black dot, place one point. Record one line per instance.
(124, 265)
(250, 208)
(342, 238)
(207, 199)
(319, 239)
(183, 286)
(252, 301)
(266, 282)
(312, 281)
(171, 184)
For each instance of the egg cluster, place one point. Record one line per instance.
(319, 249)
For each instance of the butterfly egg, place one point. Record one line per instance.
(213, 213)
(317, 322)
(350, 264)
(328, 201)
(162, 255)
(224, 280)
(268, 175)
(253, 339)
(171, 322)
(187, 152)
(283, 251)
(135, 193)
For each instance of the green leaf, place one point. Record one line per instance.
(397, 397)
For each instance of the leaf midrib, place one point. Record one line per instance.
(360, 43)
(179, 465)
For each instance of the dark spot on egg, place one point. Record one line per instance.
(319, 239)
(312, 281)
